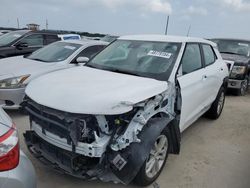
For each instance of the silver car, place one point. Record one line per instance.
(17, 72)
(16, 170)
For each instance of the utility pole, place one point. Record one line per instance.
(166, 31)
(47, 24)
(18, 26)
(189, 28)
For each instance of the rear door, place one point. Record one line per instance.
(213, 70)
(191, 83)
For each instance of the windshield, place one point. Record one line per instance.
(10, 37)
(55, 52)
(238, 47)
(141, 58)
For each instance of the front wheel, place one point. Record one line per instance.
(216, 108)
(155, 162)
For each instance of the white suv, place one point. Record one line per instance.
(118, 117)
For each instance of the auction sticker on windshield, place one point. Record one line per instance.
(159, 54)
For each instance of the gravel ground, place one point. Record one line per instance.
(214, 154)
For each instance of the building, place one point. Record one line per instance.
(33, 27)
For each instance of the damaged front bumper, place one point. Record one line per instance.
(109, 148)
(116, 166)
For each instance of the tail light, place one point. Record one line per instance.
(9, 150)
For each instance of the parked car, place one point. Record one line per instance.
(118, 117)
(70, 37)
(109, 38)
(16, 170)
(17, 72)
(237, 55)
(2, 32)
(23, 42)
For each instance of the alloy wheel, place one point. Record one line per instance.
(157, 156)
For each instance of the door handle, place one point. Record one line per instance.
(221, 69)
(204, 77)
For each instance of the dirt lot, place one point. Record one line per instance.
(214, 154)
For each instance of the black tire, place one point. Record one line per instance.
(244, 87)
(142, 179)
(214, 112)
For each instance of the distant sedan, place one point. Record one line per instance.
(17, 72)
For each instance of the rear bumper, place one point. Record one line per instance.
(11, 98)
(23, 176)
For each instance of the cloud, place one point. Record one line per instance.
(196, 11)
(237, 5)
(158, 6)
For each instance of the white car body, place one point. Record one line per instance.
(103, 94)
(18, 66)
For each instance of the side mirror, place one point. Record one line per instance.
(21, 45)
(82, 60)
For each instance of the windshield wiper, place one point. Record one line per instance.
(121, 71)
(37, 59)
(112, 70)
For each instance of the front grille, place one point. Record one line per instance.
(61, 160)
(74, 127)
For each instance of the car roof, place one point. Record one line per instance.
(86, 42)
(166, 38)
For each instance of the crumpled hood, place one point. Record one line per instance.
(19, 66)
(235, 58)
(86, 90)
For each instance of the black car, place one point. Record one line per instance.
(236, 53)
(23, 42)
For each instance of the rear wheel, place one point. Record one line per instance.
(155, 162)
(244, 87)
(216, 109)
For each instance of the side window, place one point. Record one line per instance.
(51, 38)
(33, 40)
(91, 51)
(191, 60)
(209, 55)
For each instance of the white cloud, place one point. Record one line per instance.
(160, 6)
(196, 11)
(237, 5)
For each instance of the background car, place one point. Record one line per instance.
(16, 170)
(2, 32)
(23, 42)
(236, 53)
(17, 72)
(109, 38)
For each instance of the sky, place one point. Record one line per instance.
(206, 18)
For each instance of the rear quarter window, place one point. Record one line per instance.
(209, 55)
